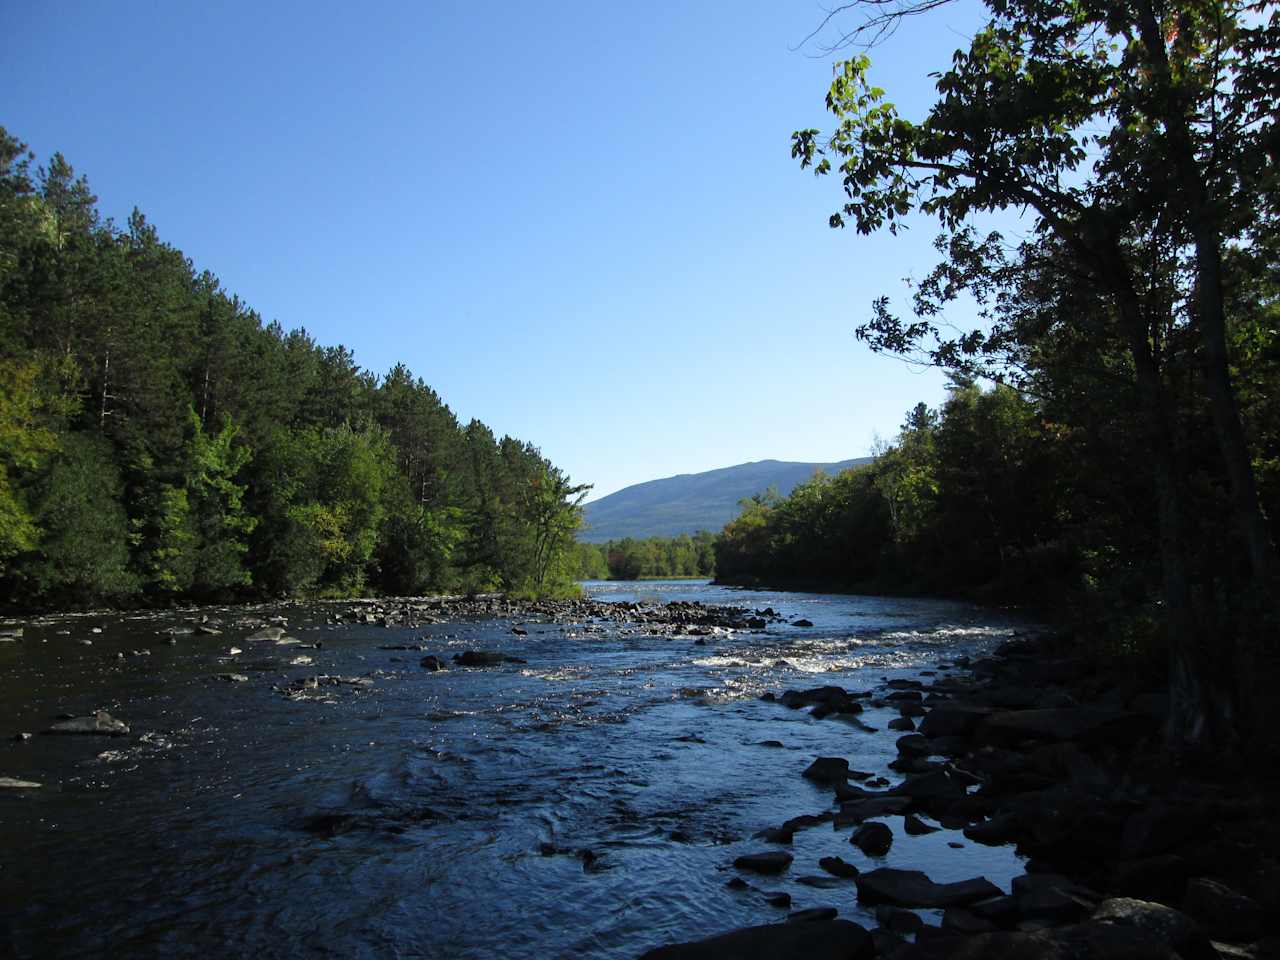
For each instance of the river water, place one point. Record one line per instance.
(589, 802)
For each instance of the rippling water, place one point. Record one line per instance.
(586, 803)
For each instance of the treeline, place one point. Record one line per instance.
(984, 498)
(1135, 318)
(632, 559)
(159, 441)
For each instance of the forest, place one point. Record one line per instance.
(632, 558)
(1123, 463)
(159, 442)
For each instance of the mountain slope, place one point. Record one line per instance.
(693, 501)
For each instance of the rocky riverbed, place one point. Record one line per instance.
(1033, 747)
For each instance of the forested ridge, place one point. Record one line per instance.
(1126, 463)
(159, 441)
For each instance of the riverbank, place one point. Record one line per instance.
(1036, 748)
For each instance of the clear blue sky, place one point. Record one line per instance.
(579, 222)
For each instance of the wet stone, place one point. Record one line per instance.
(838, 867)
(100, 724)
(771, 861)
(828, 770)
(874, 839)
(912, 888)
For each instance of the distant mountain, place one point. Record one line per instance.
(693, 501)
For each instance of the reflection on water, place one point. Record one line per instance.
(586, 802)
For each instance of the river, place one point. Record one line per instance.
(588, 802)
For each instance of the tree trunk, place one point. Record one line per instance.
(1201, 705)
(1206, 230)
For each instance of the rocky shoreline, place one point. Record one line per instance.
(1036, 747)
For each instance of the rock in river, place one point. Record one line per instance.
(837, 867)
(770, 861)
(9, 783)
(874, 839)
(828, 770)
(483, 658)
(267, 634)
(100, 723)
(911, 888)
(802, 940)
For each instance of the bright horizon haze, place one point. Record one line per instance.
(583, 228)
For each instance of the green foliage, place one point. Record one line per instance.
(651, 558)
(1140, 139)
(25, 442)
(235, 459)
(83, 556)
(956, 505)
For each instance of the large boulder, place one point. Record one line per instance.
(817, 939)
(1158, 923)
(912, 888)
(1227, 914)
